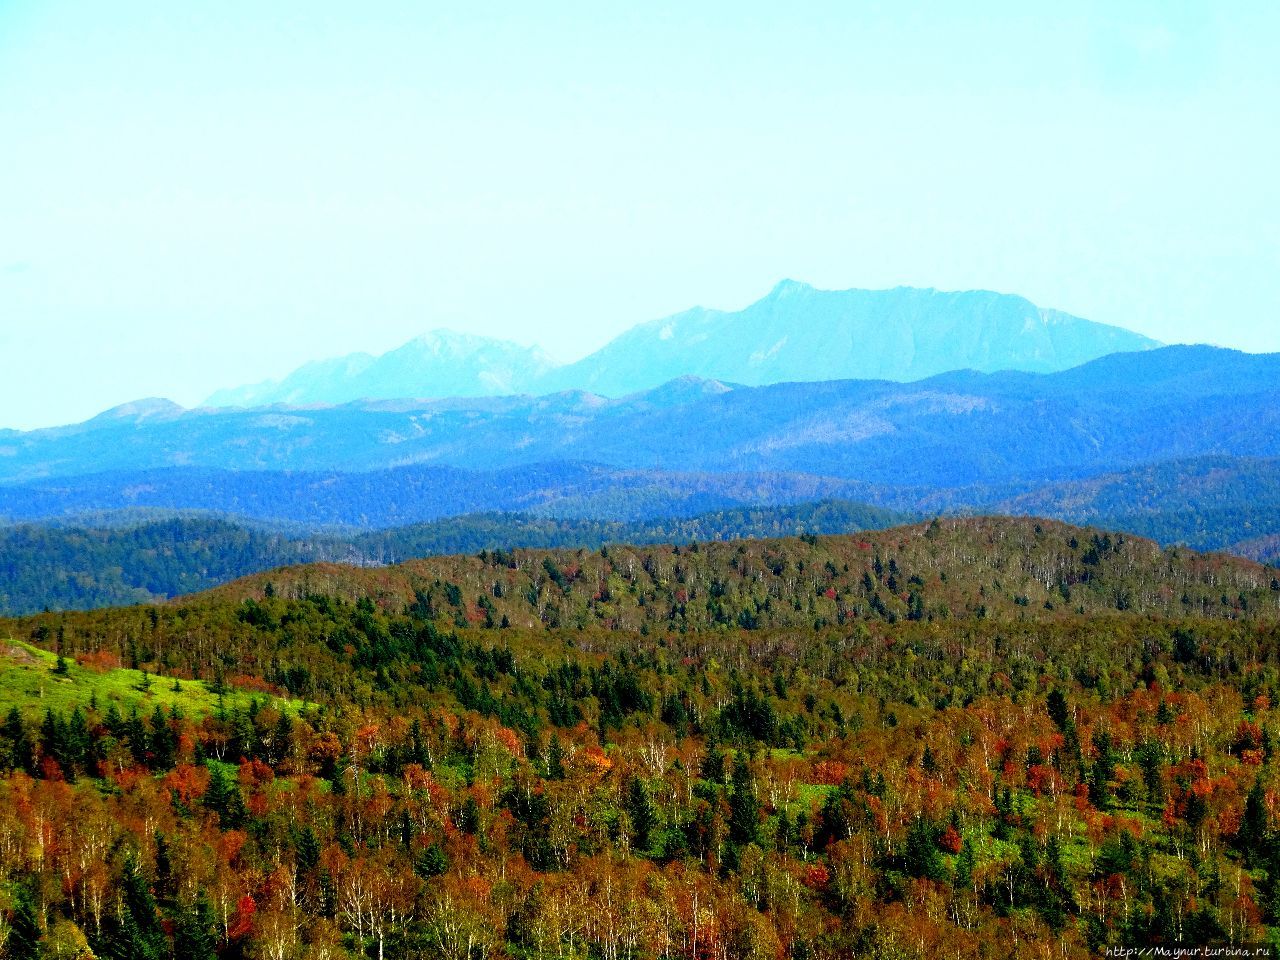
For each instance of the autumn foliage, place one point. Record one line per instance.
(753, 754)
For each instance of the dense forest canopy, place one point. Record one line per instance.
(958, 739)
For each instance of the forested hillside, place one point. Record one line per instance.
(938, 570)
(75, 568)
(112, 538)
(972, 738)
(1265, 549)
(1209, 503)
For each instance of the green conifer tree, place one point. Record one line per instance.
(193, 932)
(23, 942)
(744, 807)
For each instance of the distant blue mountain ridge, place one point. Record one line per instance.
(952, 430)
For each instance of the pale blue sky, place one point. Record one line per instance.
(196, 195)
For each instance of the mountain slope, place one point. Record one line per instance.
(1201, 485)
(1264, 549)
(1209, 503)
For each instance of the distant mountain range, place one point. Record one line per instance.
(795, 333)
(957, 429)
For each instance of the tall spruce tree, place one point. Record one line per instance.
(134, 933)
(1252, 834)
(641, 811)
(744, 807)
(193, 932)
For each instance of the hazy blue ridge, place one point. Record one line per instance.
(404, 495)
(954, 429)
(957, 429)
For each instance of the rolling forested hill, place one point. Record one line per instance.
(935, 570)
(72, 568)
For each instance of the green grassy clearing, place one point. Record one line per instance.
(29, 681)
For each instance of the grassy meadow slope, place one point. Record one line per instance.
(33, 680)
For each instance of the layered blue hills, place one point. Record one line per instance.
(952, 430)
